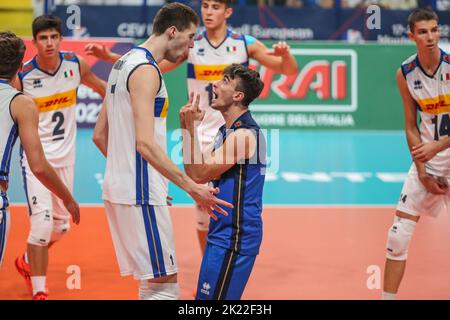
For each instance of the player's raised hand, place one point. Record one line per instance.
(280, 49)
(191, 111)
(99, 51)
(205, 197)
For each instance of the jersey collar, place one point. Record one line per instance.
(35, 64)
(435, 71)
(217, 47)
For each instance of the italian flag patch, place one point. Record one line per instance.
(68, 73)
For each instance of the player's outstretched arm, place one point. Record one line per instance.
(101, 52)
(413, 135)
(100, 136)
(89, 78)
(202, 168)
(279, 58)
(143, 85)
(24, 113)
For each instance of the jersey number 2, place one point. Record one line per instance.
(58, 117)
(442, 129)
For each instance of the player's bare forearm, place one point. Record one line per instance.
(48, 177)
(193, 164)
(100, 136)
(289, 65)
(413, 139)
(444, 143)
(154, 155)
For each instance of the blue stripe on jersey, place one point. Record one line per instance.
(2, 233)
(24, 178)
(159, 105)
(4, 200)
(142, 185)
(190, 71)
(145, 185)
(158, 241)
(138, 178)
(3, 81)
(4, 166)
(154, 242)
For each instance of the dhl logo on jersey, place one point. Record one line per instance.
(436, 105)
(57, 101)
(209, 72)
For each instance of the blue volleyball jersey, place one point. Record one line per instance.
(242, 185)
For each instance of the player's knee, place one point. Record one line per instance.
(41, 225)
(60, 228)
(158, 291)
(202, 218)
(399, 237)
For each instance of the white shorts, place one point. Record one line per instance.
(143, 240)
(41, 199)
(416, 200)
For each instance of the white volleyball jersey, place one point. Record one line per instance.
(8, 129)
(432, 95)
(129, 178)
(56, 97)
(205, 66)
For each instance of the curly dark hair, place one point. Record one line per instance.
(12, 50)
(249, 83)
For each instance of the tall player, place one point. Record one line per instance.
(132, 134)
(235, 163)
(214, 49)
(424, 84)
(51, 79)
(19, 118)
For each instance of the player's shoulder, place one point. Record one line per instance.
(445, 57)
(236, 35)
(22, 103)
(69, 56)
(28, 67)
(409, 65)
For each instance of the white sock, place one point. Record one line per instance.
(38, 283)
(26, 258)
(388, 296)
(158, 291)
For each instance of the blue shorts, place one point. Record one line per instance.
(223, 274)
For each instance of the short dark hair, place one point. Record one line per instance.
(421, 14)
(226, 2)
(12, 50)
(250, 82)
(46, 22)
(174, 14)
